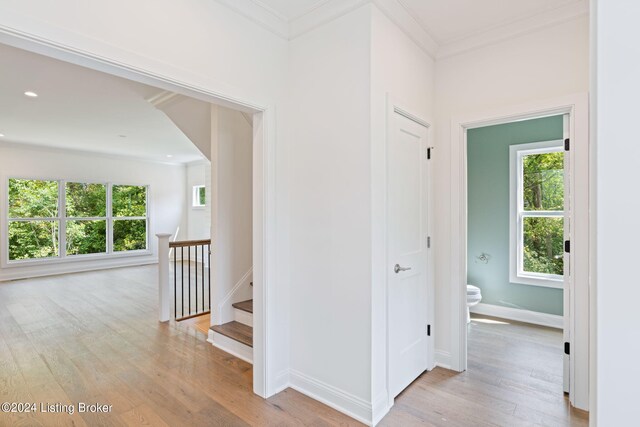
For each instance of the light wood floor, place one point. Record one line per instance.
(200, 323)
(94, 337)
(514, 379)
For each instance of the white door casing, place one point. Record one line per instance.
(566, 294)
(407, 260)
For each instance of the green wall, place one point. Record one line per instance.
(488, 204)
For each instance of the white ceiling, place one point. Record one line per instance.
(445, 20)
(83, 109)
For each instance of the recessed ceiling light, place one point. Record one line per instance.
(122, 136)
(169, 156)
(31, 94)
(1, 135)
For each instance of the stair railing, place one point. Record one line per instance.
(187, 263)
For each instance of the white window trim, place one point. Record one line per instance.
(195, 197)
(62, 220)
(516, 273)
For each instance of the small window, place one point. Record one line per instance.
(537, 214)
(199, 196)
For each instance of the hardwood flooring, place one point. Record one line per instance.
(514, 378)
(199, 323)
(94, 337)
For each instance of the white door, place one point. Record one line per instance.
(566, 295)
(407, 261)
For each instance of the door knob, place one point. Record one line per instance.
(398, 269)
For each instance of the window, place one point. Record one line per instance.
(129, 218)
(537, 214)
(49, 219)
(86, 218)
(199, 196)
(34, 219)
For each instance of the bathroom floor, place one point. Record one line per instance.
(514, 378)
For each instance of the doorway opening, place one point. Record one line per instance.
(518, 278)
(526, 253)
(260, 177)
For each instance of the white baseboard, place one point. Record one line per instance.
(381, 407)
(526, 316)
(81, 266)
(443, 359)
(339, 400)
(231, 346)
(281, 382)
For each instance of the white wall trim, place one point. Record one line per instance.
(231, 346)
(260, 14)
(497, 34)
(443, 359)
(397, 12)
(520, 315)
(339, 400)
(329, 10)
(322, 14)
(282, 381)
(43, 270)
(381, 407)
(225, 307)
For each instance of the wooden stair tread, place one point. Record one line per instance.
(236, 331)
(244, 305)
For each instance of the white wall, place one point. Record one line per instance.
(167, 196)
(198, 218)
(549, 63)
(231, 219)
(405, 73)
(330, 261)
(616, 94)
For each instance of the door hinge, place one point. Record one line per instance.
(567, 348)
(428, 330)
(428, 242)
(567, 144)
(567, 246)
(429, 153)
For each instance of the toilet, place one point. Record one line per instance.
(473, 297)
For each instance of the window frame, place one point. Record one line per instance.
(517, 275)
(62, 219)
(195, 197)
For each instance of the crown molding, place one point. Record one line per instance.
(406, 21)
(513, 29)
(329, 10)
(321, 14)
(260, 14)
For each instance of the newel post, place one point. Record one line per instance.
(163, 277)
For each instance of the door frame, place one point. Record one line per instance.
(576, 106)
(394, 107)
(266, 381)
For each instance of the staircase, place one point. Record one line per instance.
(236, 337)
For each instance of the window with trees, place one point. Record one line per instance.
(55, 219)
(199, 196)
(537, 213)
